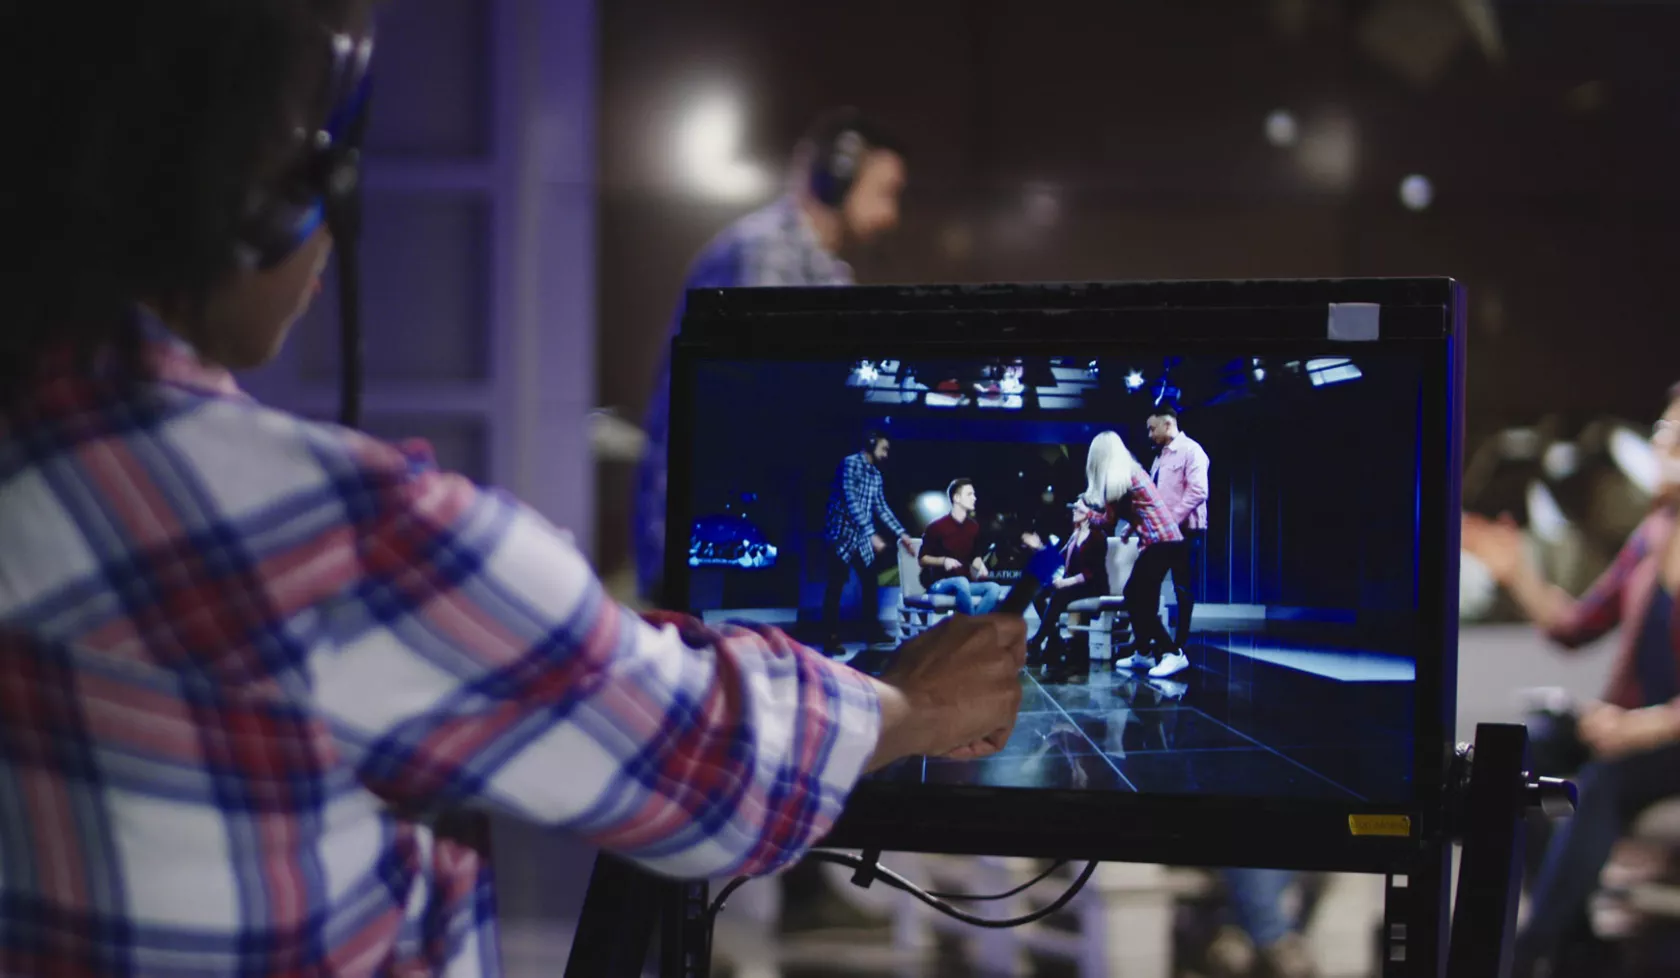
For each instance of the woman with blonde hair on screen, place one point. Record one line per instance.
(1114, 477)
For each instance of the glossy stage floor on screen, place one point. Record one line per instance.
(1256, 715)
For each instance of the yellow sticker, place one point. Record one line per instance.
(1390, 825)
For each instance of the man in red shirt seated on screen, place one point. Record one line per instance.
(950, 559)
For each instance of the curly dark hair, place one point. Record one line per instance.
(141, 132)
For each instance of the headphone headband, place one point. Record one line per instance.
(329, 168)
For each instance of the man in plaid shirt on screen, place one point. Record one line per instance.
(857, 511)
(241, 653)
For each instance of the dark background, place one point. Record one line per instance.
(1313, 490)
(1554, 161)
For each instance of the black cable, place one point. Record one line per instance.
(349, 332)
(898, 882)
(1006, 894)
(342, 206)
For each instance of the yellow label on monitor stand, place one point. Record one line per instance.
(1389, 825)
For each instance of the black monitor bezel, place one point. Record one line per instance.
(1267, 318)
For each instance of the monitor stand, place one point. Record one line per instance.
(1489, 794)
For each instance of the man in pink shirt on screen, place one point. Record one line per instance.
(1180, 473)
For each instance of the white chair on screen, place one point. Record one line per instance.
(1106, 621)
(918, 610)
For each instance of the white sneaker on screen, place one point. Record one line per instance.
(1172, 664)
(1137, 660)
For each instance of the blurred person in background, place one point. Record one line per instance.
(1634, 735)
(848, 176)
(1267, 935)
(246, 657)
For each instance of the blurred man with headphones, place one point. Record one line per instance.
(846, 180)
(848, 176)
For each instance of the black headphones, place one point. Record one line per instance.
(323, 182)
(837, 157)
(871, 440)
(324, 187)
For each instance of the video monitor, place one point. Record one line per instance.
(1252, 632)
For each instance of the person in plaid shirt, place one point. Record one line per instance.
(793, 241)
(246, 658)
(1634, 732)
(857, 506)
(1114, 476)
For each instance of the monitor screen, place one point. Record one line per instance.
(1260, 518)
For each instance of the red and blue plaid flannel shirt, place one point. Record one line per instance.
(235, 645)
(1142, 510)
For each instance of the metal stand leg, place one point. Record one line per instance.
(1488, 811)
(616, 927)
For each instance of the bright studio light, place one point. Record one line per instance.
(1636, 458)
(1416, 192)
(1043, 205)
(931, 506)
(1281, 129)
(1329, 152)
(708, 147)
(1134, 380)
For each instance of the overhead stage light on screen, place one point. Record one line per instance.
(709, 145)
(1416, 192)
(1281, 129)
(1332, 370)
(1134, 381)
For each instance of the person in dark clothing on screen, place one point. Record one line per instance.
(857, 512)
(1084, 575)
(950, 555)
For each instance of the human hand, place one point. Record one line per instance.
(952, 564)
(908, 543)
(1498, 544)
(878, 543)
(1032, 541)
(1613, 732)
(954, 690)
(1060, 583)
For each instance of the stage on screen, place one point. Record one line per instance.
(855, 502)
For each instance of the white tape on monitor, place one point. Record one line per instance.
(1355, 321)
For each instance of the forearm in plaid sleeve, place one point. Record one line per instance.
(1599, 610)
(480, 662)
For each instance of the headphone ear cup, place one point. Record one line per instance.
(836, 166)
